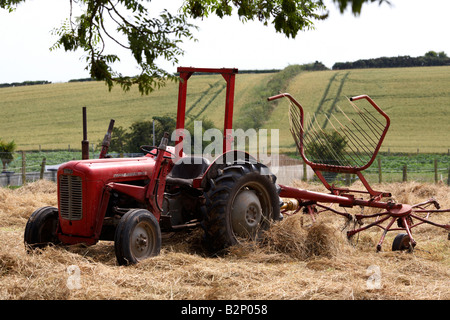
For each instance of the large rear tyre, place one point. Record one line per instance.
(40, 230)
(137, 237)
(240, 204)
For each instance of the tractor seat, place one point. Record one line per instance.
(186, 170)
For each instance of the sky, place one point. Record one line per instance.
(406, 27)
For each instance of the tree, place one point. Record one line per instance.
(141, 133)
(356, 5)
(328, 148)
(442, 55)
(118, 139)
(431, 54)
(431, 58)
(6, 152)
(130, 24)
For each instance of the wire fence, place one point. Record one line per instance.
(18, 167)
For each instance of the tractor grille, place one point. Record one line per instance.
(71, 197)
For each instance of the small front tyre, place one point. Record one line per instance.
(137, 237)
(41, 228)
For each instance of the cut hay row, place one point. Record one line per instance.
(292, 262)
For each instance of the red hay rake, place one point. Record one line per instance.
(363, 131)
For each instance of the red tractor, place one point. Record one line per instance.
(132, 200)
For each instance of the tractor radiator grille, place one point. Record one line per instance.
(71, 197)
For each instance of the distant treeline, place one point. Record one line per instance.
(25, 83)
(82, 80)
(311, 67)
(431, 58)
(206, 73)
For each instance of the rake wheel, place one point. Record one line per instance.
(402, 242)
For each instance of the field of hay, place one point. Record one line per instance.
(293, 264)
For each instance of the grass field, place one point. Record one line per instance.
(51, 115)
(416, 99)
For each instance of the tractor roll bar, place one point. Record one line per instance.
(185, 73)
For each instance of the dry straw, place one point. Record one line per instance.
(292, 262)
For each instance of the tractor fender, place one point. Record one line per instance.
(226, 159)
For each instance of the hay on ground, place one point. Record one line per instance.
(292, 262)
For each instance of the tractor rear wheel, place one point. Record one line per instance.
(137, 237)
(240, 204)
(41, 228)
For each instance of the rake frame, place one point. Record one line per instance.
(314, 203)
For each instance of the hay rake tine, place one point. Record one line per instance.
(363, 116)
(350, 134)
(360, 129)
(326, 143)
(335, 130)
(363, 137)
(355, 152)
(355, 138)
(350, 139)
(316, 138)
(367, 137)
(354, 122)
(375, 120)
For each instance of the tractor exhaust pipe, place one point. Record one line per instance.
(107, 140)
(85, 142)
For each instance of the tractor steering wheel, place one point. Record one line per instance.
(149, 149)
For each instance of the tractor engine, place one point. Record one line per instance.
(81, 193)
(91, 206)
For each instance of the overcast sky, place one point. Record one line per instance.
(407, 27)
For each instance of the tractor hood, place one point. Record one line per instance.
(108, 169)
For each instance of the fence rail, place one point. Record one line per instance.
(31, 166)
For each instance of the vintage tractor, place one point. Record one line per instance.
(132, 200)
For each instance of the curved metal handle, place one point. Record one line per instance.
(359, 98)
(286, 95)
(376, 107)
(278, 96)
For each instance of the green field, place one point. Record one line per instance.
(50, 116)
(416, 99)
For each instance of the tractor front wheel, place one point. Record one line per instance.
(41, 228)
(137, 237)
(240, 204)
